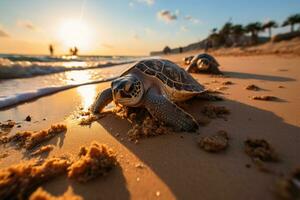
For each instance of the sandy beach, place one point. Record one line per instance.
(172, 166)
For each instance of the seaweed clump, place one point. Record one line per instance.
(212, 111)
(96, 160)
(41, 194)
(29, 139)
(214, 143)
(289, 187)
(17, 181)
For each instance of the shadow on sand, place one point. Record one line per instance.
(95, 189)
(191, 173)
(242, 75)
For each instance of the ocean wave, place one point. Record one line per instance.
(24, 69)
(12, 100)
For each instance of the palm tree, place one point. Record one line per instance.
(224, 33)
(291, 21)
(254, 29)
(237, 31)
(269, 25)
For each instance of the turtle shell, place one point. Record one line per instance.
(170, 74)
(207, 58)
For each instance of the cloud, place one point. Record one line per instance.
(27, 25)
(166, 16)
(3, 33)
(191, 19)
(147, 2)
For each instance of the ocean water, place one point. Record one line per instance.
(23, 78)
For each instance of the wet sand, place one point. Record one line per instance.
(172, 166)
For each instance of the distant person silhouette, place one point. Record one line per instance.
(73, 51)
(51, 49)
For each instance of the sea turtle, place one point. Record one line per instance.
(187, 60)
(155, 84)
(204, 63)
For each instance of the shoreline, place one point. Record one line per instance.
(163, 157)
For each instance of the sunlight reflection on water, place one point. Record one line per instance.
(88, 94)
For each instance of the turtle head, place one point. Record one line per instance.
(203, 64)
(127, 90)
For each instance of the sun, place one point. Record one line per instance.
(75, 33)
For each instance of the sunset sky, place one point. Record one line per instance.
(124, 27)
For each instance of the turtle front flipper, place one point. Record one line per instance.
(165, 111)
(103, 98)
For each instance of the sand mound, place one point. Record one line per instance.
(41, 194)
(214, 143)
(260, 149)
(16, 182)
(96, 160)
(29, 139)
(265, 98)
(253, 87)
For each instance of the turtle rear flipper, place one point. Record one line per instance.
(166, 111)
(102, 100)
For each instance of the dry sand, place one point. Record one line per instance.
(172, 166)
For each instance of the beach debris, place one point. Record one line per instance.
(212, 111)
(281, 86)
(265, 98)
(253, 87)
(7, 125)
(289, 187)
(260, 149)
(41, 194)
(43, 149)
(17, 181)
(164, 77)
(30, 139)
(96, 160)
(227, 83)
(214, 143)
(28, 118)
